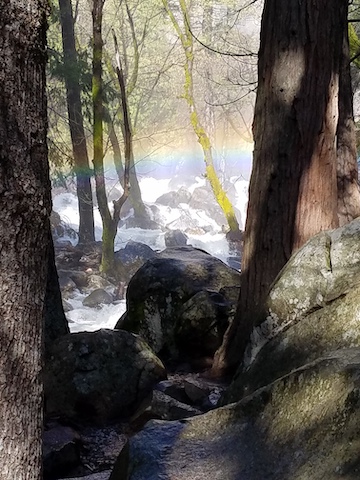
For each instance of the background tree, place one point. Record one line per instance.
(293, 187)
(25, 209)
(186, 39)
(110, 219)
(126, 20)
(76, 124)
(348, 192)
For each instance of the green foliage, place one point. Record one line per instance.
(354, 43)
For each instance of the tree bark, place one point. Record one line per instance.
(56, 324)
(347, 168)
(109, 231)
(76, 125)
(110, 220)
(25, 206)
(293, 186)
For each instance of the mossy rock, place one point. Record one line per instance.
(158, 296)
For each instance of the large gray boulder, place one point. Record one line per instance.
(99, 376)
(333, 327)
(303, 426)
(325, 268)
(178, 302)
(313, 306)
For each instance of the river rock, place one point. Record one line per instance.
(99, 376)
(174, 198)
(175, 238)
(335, 326)
(97, 298)
(130, 258)
(324, 269)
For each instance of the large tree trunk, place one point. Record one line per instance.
(56, 324)
(76, 124)
(25, 206)
(347, 168)
(293, 187)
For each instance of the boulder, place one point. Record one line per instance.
(313, 308)
(66, 283)
(303, 426)
(96, 298)
(202, 323)
(335, 326)
(99, 376)
(61, 450)
(67, 307)
(97, 281)
(161, 307)
(133, 256)
(324, 269)
(174, 198)
(168, 408)
(175, 238)
(77, 276)
(60, 229)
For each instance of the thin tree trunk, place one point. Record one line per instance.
(186, 39)
(135, 192)
(293, 187)
(109, 230)
(117, 157)
(109, 221)
(25, 206)
(76, 124)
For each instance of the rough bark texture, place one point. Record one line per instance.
(56, 324)
(293, 188)
(25, 209)
(347, 168)
(76, 124)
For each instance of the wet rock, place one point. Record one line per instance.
(97, 297)
(133, 256)
(174, 198)
(97, 281)
(175, 238)
(67, 306)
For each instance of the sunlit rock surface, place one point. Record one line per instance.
(314, 307)
(303, 426)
